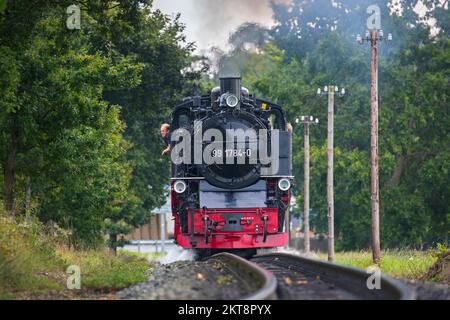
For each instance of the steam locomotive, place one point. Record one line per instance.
(231, 171)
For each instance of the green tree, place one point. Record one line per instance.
(418, 137)
(86, 160)
(155, 41)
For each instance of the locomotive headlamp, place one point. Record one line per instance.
(232, 101)
(284, 184)
(179, 186)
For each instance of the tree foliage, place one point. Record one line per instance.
(80, 110)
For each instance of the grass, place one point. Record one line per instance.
(25, 257)
(156, 255)
(147, 255)
(102, 270)
(33, 264)
(405, 264)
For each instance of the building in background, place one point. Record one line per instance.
(152, 230)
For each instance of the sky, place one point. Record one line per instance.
(210, 22)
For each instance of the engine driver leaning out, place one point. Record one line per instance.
(165, 134)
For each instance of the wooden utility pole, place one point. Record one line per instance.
(288, 225)
(374, 185)
(306, 120)
(330, 91)
(374, 36)
(330, 175)
(306, 202)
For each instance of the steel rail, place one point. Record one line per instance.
(348, 278)
(264, 280)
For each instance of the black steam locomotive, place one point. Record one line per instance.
(231, 170)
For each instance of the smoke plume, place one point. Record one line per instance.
(210, 22)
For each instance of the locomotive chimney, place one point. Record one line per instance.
(231, 85)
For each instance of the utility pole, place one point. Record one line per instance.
(330, 91)
(373, 36)
(292, 205)
(306, 120)
(163, 232)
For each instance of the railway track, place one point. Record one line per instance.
(263, 282)
(290, 277)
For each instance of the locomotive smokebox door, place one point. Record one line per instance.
(232, 222)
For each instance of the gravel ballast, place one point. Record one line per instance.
(429, 291)
(213, 280)
(188, 280)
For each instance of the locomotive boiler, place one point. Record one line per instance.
(231, 171)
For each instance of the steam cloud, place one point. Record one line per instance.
(210, 22)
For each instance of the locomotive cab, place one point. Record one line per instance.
(231, 170)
